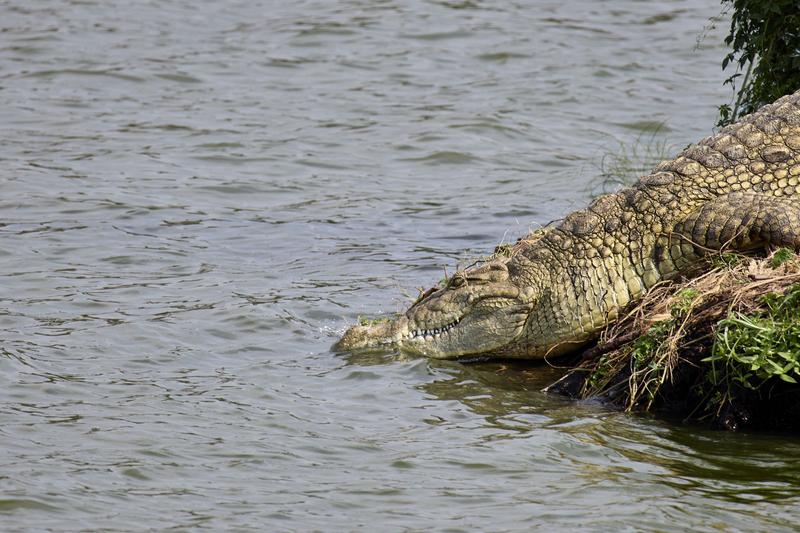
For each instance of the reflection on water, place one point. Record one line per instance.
(496, 391)
(199, 197)
(605, 446)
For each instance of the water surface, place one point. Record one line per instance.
(198, 197)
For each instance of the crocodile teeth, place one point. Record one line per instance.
(429, 334)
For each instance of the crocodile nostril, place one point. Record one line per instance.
(498, 271)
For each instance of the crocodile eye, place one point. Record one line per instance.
(456, 281)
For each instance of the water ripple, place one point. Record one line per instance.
(199, 197)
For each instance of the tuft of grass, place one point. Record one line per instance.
(505, 250)
(632, 161)
(726, 260)
(780, 257)
(653, 354)
(366, 321)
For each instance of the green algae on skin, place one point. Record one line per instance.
(367, 321)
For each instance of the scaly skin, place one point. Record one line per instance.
(739, 189)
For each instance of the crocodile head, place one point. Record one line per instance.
(480, 311)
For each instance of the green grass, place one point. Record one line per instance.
(730, 333)
(751, 348)
(366, 321)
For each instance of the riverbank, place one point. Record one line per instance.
(721, 349)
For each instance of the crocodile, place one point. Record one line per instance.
(557, 288)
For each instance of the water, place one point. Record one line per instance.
(198, 197)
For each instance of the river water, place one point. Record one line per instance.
(198, 197)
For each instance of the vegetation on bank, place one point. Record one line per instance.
(765, 54)
(723, 348)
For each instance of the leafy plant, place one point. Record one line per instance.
(780, 257)
(750, 349)
(726, 260)
(765, 42)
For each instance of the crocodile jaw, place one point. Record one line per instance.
(484, 329)
(373, 337)
(484, 316)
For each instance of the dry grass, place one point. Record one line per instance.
(675, 327)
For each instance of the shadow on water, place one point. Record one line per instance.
(498, 391)
(507, 395)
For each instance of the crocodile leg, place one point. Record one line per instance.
(738, 221)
